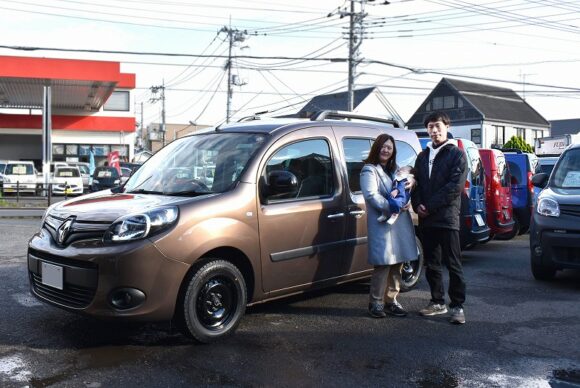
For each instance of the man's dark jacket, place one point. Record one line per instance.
(441, 194)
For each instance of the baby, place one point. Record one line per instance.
(399, 196)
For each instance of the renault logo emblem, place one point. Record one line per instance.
(63, 230)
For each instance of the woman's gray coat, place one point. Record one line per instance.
(387, 244)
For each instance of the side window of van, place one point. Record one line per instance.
(310, 162)
(357, 150)
(503, 172)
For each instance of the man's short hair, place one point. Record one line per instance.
(436, 116)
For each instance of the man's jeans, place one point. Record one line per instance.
(442, 246)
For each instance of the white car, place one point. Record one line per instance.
(19, 176)
(67, 181)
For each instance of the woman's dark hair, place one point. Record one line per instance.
(375, 151)
(436, 116)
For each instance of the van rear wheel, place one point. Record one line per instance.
(214, 302)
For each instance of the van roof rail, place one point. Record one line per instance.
(516, 150)
(337, 114)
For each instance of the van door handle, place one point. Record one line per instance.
(335, 215)
(357, 213)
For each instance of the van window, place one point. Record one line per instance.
(197, 164)
(475, 166)
(567, 173)
(356, 150)
(310, 162)
(516, 172)
(503, 172)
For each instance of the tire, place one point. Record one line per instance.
(508, 236)
(542, 272)
(214, 301)
(412, 270)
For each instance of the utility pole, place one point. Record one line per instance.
(161, 91)
(355, 38)
(234, 36)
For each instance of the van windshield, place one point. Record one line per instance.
(566, 174)
(198, 164)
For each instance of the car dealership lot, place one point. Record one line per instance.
(519, 332)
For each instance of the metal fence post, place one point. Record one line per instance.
(17, 191)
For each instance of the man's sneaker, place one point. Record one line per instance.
(457, 315)
(377, 310)
(433, 309)
(395, 309)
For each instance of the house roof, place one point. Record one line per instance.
(564, 127)
(500, 104)
(334, 101)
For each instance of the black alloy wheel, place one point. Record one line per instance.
(214, 302)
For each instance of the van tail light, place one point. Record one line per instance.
(467, 188)
(530, 188)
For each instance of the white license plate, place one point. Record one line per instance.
(479, 220)
(52, 275)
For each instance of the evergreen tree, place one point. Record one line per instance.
(517, 142)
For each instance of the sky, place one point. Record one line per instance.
(530, 46)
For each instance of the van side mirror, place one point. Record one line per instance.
(540, 180)
(282, 182)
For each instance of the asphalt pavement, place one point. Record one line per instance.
(519, 333)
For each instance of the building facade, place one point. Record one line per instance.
(487, 115)
(90, 103)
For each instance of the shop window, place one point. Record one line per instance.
(72, 149)
(118, 101)
(58, 149)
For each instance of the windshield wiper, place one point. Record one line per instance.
(187, 192)
(143, 191)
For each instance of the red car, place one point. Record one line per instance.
(498, 193)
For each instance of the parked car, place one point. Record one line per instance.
(19, 175)
(85, 173)
(2, 167)
(473, 228)
(498, 197)
(522, 166)
(555, 227)
(158, 248)
(105, 177)
(125, 174)
(67, 180)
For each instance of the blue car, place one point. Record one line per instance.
(522, 166)
(474, 228)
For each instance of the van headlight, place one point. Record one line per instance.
(141, 225)
(548, 207)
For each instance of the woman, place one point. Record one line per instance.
(389, 245)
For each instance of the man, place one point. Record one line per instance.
(441, 171)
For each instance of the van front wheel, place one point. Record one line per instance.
(214, 302)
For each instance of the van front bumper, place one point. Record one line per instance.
(555, 241)
(133, 281)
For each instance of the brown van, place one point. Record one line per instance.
(216, 221)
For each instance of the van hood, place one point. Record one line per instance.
(106, 206)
